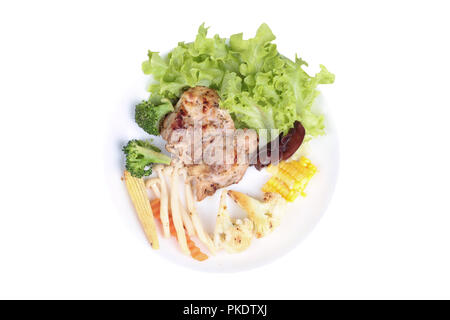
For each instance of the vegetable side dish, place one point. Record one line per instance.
(221, 106)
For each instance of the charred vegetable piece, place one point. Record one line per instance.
(234, 235)
(291, 141)
(266, 214)
(287, 145)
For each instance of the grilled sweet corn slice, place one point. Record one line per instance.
(290, 178)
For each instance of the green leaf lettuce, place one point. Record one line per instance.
(258, 86)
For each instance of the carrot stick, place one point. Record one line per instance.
(194, 250)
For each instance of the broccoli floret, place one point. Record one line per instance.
(149, 116)
(140, 157)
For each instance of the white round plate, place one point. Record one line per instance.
(301, 215)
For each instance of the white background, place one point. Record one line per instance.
(64, 67)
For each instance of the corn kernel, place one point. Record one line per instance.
(290, 178)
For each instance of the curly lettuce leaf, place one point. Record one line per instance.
(258, 86)
(254, 52)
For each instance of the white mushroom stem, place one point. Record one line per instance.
(201, 233)
(164, 201)
(153, 184)
(156, 191)
(176, 215)
(187, 220)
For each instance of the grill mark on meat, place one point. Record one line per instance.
(178, 122)
(206, 105)
(183, 111)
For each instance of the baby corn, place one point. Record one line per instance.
(139, 197)
(290, 178)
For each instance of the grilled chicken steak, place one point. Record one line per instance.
(198, 113)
